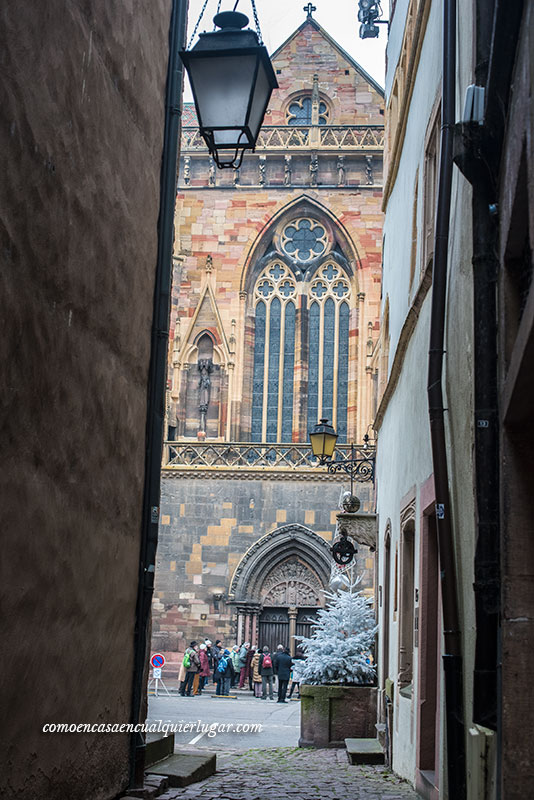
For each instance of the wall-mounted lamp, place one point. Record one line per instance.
(369, 12)
(323, 440)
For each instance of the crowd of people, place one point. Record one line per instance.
(244, 667)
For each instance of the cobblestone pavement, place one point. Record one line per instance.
(293, 774)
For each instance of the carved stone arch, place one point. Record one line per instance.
(290, 545)
(302, 205)
(191, 351)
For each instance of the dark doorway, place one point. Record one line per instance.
(429, 663)
(274, 628)
(305, 620)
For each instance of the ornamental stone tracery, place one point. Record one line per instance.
(276, 280)
(292, 583)
(304, 239)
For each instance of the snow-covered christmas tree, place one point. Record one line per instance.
(339, 650)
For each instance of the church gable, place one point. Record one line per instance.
(350, 95)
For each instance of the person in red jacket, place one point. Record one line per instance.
(204, 671)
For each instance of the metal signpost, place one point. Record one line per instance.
(157, 661)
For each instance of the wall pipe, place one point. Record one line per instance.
(452, 656)
(156, 389)
(485, 272)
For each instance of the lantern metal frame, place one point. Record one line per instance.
(359, 468)
(239, 43)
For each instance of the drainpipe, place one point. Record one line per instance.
(485, 272)
(156, 389)
(452, 656)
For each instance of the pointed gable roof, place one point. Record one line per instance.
(348, 58)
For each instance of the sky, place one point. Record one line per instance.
(279, 18)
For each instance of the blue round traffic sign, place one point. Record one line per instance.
(157, 660)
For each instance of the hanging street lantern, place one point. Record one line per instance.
(323, 440)
(232, 79)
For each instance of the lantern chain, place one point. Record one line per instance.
(198, 23)
(256, 20)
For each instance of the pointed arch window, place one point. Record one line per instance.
(274, 355)
(315, 338)
(328, 347)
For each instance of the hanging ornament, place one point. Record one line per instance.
(343, 550)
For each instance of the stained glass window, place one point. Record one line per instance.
(274, 355)
(300, 112)
(304, 239)
(324, 354)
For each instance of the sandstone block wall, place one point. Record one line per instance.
(207, 526)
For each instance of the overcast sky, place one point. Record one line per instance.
(279, 18)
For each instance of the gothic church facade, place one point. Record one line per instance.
(274, 324)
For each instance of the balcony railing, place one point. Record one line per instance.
(287, 137)
(266, 457)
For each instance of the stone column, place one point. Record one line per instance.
(254, 632)
(248, 620)
(240, 622)
(292, 614)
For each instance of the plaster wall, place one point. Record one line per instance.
(399, 212)
(405, 426)
(80, 152)
(404, 464)
(397, 17)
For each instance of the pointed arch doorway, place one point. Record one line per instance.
(279, 586)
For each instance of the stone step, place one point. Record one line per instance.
(184, 768)
(158, 747)
(364, 751)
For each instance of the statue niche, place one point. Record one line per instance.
(204, 386)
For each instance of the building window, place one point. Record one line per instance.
(279, 344)
(274, 355)
(407, 599)
(304, 239)
(328, 347)
(299, 111)
(430, 189)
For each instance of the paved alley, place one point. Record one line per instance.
(293, 773)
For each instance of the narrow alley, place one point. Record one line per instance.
(296, 774)
(266, 358)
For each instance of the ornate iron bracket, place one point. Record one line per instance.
(359, 469)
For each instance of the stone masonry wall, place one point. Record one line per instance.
(80, 155)
(208, 525)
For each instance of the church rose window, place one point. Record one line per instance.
(299, 111)
(304, 239)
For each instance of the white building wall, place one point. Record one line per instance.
(404, 453)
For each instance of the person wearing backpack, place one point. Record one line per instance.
(215, 654)
(191, 664)
(225, 671)
(266, 671)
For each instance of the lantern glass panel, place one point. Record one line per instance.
(222, 89)
(262, 91)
